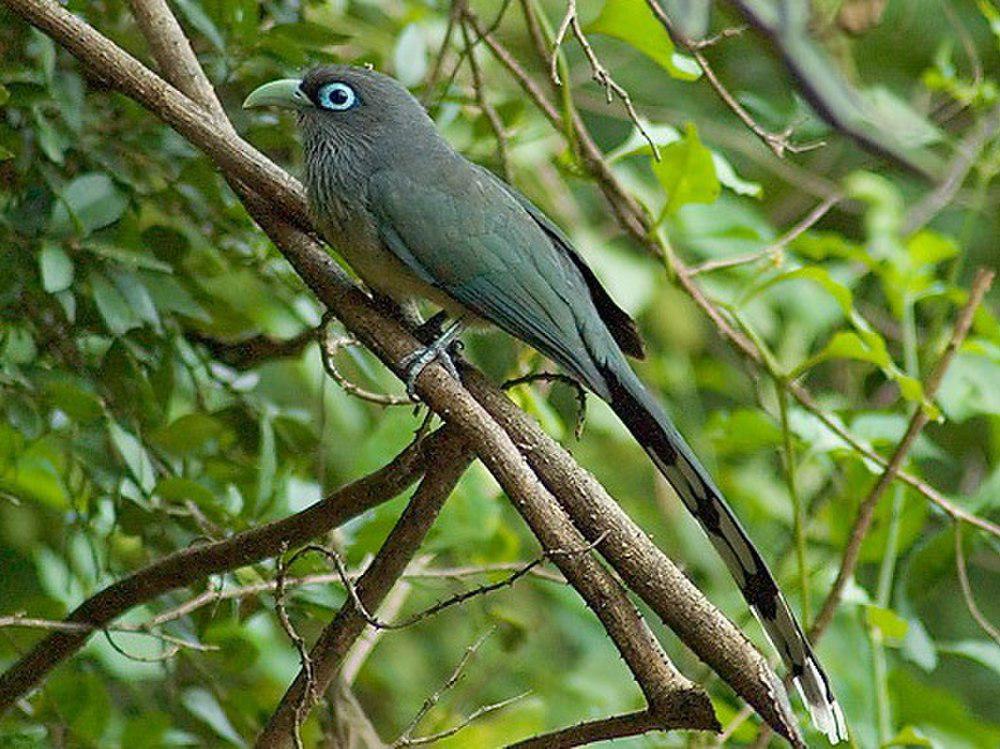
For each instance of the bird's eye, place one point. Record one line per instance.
(336, 96)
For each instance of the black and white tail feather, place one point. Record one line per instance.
(648, 423)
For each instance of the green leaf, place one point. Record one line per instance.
(727, 175)
(840, 293)
(18, 345)
(178, 489)
(146, 731)
(82, 702)
(136, 458)
(80, 405)
(970, 387)
(662, 135)
(50, 140)
(115, 310)
(918, 647)
(137, 297)
(191, 434)
(633, 22)
(56, 268)
(267, 462)
(909, 736)
(202, 704)
(888, 622)
(907, 125)
(985, 653)
(686, 171)
(88, 203)
(929, 248)
(742, 431)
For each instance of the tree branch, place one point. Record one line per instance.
(374, 585)
(175, 57)
(189, 565)
(968, 151)
(642, 565)
(605, 729)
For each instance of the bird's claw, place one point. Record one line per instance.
(438, 350)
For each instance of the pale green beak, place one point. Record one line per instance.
(285, 93)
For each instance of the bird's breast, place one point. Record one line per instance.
(352, 232)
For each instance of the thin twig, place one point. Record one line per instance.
(779, 143)
(634, 221)
(378, 579)
(774, 250)
(146, 628)
(488, 110)
(391, 606)
(472, 717)
(970, 599)
(727, 33)
(578, 389)
(941, 196)
(440, 606)
(435, 73)
(600, 74)
(329, 347)
(435, 697)
(309, 693)
(866, 511)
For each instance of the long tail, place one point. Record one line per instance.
(651, 427)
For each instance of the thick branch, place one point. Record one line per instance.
(605, 729)
(174, 56)
(190, 565)
(642, 565)
(385, 569)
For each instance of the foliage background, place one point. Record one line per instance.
(127, 433)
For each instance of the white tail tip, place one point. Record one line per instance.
(823, 706)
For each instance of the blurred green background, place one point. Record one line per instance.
(129, 431)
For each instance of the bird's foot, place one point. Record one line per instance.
(437, 350)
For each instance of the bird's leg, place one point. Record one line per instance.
(416, 362)
(404, 312)
(432, 328)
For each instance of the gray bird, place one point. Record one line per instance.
(415, 219)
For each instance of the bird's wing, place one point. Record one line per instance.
(462, 232)
(621, 325)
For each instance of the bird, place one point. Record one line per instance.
(417, 220)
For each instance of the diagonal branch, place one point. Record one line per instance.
(182, 568)
(605, 729)
(386, 568)
(175, 57)
(866, 512)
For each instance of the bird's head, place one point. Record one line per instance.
(347, 111)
